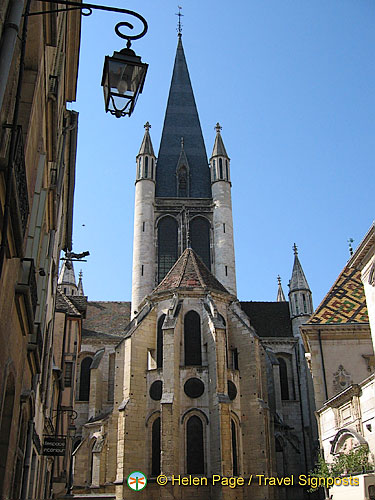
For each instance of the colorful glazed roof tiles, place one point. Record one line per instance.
(344, 303)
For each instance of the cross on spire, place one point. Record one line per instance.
(218, 127)
(295, 250)
(147, 126)
(179, 25)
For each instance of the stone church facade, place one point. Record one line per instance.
(187, 380)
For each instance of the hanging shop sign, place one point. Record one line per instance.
(54, 446)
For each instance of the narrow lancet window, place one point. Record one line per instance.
(84, 379)
(159, 343)
(284, 385)
(146, 167)
(192, 339)
(200, 239)
(220, 168)
(155, 459)
(167, 245)
(194, 446)
(234, 449)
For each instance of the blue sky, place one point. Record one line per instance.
(291, 82)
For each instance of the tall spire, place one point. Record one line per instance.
(280, 291)
(182, 120)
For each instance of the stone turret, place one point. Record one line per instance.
(67, 280)
(143, 279)
(225, 269)
(300, 297)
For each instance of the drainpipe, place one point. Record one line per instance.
(8, 42)
(323, 367)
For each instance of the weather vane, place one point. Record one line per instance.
(179, 26)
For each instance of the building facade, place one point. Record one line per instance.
(38, 74)
(339, 343)
(195, 383)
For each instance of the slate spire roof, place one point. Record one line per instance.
(80, 285)
(146, 146)
(182, 121)
(190, 272)
(219, 148)
(298, 280)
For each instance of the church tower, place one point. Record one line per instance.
(183, 201)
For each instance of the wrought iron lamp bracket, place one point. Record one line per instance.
(87, 9)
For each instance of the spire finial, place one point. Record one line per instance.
(179, 25)
(295, 250)
(147, 126)
(278, 279)
(218, 127)
(182, 143)
(350, 241)
(80, 274)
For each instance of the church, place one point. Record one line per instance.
(186, 380)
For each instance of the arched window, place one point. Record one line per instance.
(167, 245)
(283, 370)
(183, 182)
(194, 446)
(159, 343)
(84, 379)
(146, 167)
(227, 169)
(192, 339)
(220, 168)
(214, 169)
(155, 458)
(139, 168)
(6, 421)
(152, 168)
(234, 449)
(200, 239)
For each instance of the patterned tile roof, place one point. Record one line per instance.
(345, 302)
(270, 319)
(190, 272)
(106, 319)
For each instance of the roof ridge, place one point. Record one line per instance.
(197, 270)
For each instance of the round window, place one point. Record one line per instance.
(194, 388)
(232, 390)
(156, 390)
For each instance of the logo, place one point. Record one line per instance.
(137, 481)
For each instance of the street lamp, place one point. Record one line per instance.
(124, 73)
(123, 78)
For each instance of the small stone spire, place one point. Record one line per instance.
(219, 148)
(146, 146)
(280, 292)
(80, 285)
(298, 280)
(67, 279)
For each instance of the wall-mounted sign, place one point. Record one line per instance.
(54, 446)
